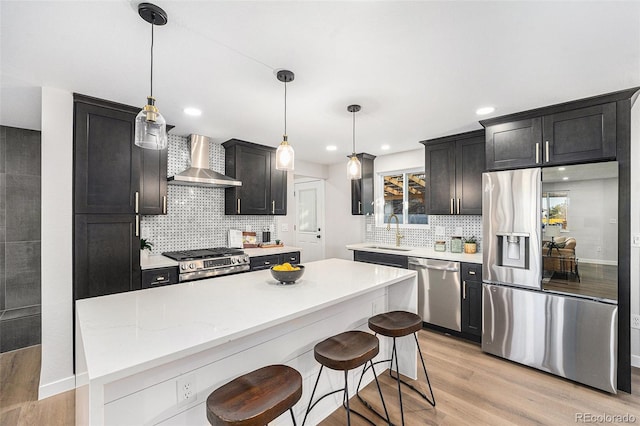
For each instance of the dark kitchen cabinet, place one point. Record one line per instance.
(264, 188)
(381, 258)
(106, 255)
(453, 168)
(106, 162)
(574, 132)
(362, 189)
(257, 263)
(157, 277)
(471, 299)
(153, 182)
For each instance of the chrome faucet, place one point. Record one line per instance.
(398, 235)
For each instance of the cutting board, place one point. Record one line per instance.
(249, 240)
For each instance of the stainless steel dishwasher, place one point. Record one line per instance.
(438, 291)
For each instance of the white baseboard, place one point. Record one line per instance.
(597, 261)
(49, 389)
(635, 361)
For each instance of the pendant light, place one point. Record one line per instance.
(151, 127)
(354, 168)
(284, 153)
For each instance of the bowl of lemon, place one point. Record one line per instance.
(287, 273)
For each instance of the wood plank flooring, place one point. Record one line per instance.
(471, 388)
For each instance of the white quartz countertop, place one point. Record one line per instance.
(424, 252)
(259, 251)
(126, 333)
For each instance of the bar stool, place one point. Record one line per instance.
(398, 324)
(344, 352)
(255, 398)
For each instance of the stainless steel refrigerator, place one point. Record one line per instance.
(561, 329)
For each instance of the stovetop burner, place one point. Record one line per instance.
(202, 253)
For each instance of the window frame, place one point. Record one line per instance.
(546, 201)
(379, 199)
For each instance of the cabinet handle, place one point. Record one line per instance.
(458, 205)
(537, 152)
(137, 201)
(472, 272)
(273, 207)
(267, 263)
(451, 206)
(546, 151)
(137, 225)
(164, 204)
(464, 290)
(238, 205)
(359, 207)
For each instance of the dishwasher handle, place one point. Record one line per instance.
(437, 268)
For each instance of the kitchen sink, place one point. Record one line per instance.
(387, 248)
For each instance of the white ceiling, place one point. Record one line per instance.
(419, 69)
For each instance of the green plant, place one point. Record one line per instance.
(145, 244)
(470, 240)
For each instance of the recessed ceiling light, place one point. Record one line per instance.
(385, 147)
(485, 110)
(331, 147)
(195, 112)
(562, 169)
(565, 178)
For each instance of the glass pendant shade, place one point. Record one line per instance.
(151, 128)
(285, 156)
(354, 168)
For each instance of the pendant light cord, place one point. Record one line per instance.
(354, 133)
(285, 108)
(152, 25)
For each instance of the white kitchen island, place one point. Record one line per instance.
(138, 354)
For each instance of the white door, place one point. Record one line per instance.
(310, 219)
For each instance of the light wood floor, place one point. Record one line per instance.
(595, 280)
(471, 388)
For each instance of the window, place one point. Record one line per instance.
(403, 195)
(555, 206)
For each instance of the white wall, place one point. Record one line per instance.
(56, 373)
(398, 161)
(635, 229)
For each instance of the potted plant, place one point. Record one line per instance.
(145, 248)
(470, 245)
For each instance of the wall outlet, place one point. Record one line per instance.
(284, 227)
(249, 228)
(369, 227)
(635, 321)
(186, 389)
(598, 249)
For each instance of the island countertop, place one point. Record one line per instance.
(125, 333)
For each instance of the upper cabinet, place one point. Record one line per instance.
(575, 132)
(153, 182)
(362, 189)
(264, 188)
(453, 167)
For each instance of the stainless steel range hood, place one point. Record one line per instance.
(199, 173)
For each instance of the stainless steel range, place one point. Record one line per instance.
(204, 263)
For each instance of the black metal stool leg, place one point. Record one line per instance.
(431, 401)
(293, 418)
(309, 407)
(345, 398)
(395, 354)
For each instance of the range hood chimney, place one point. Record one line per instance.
(199, 173)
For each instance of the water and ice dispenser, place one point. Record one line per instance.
(513, 250)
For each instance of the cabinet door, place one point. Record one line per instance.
(470, 164)
(381, 259)
(362, 189)
(107, 255)
(580, 135)
(472, 307)
(106, 172)
(278, 189)
(440, 169)
(356, 197)
(153, 182)
(253, 168)
(515, 144)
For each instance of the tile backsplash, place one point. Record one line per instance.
(195, 216)
(471, 226)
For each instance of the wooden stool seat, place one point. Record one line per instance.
(255, 398)
(395, 323)
(346, 351)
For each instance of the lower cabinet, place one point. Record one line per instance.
(381, 259)
(159, 276)
(106, 255)
(258, 263)
(471, 299)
